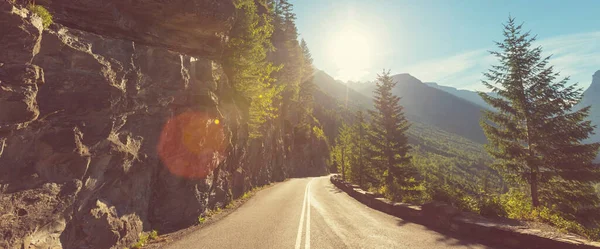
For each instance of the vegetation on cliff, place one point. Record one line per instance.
(272, 72)
(42, 13)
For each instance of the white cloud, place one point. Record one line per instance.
(576, 55)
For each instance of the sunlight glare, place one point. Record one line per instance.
(351, 52)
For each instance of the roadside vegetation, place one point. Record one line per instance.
(210, 213)
(42, 13)
(537, 166)
(144, 239)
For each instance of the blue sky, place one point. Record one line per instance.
(444, 41)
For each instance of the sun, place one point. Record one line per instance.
(351, 53)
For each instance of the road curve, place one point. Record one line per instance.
(312, 213)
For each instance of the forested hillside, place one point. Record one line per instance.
(471, 96)
(432, 106)
(457, 164)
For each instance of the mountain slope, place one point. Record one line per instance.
(471, 96)
(341, 91)
(591, 97)
(435, 107)
(421, 103)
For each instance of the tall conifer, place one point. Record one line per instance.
(534, 134)
(389, 143)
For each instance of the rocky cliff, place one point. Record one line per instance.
(119, 119)
(591, 97)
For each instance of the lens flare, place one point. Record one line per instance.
(191, 146)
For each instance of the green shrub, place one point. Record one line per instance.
(153, 235)
(201, 219)
(491, 206)
(517, 205)
(43, 13)
(414, 193)
(554, 218)
(141, 241)
(453, 196)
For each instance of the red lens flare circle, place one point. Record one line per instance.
(191, 145)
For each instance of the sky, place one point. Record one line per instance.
(441, 41)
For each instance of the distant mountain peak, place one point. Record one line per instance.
(595, 86)
(405, 78)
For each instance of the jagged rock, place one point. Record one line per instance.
(18, 89)
(196, 27)
(21, 34)
(19, 79)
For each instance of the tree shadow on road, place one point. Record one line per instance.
(333, 189)
(452, 240)
(402, 222)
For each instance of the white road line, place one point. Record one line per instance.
(299, 236)
(308, 197)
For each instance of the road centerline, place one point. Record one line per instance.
(299, 236)
(308, 197)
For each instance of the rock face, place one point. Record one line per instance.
(108, 123)
(591, 97)
(196, 27)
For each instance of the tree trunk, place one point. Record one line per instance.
(360, 172)
(343, 165)
(535, 199)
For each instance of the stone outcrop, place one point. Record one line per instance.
(108, 123)
(591, 97)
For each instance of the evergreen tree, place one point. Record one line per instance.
(307, 61)
(387, 136)
(245, 62)
(287, 50)
(307, 87)
(534, 134)
(341, 152)
(360, 144)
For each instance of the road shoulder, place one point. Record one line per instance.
(164, 240)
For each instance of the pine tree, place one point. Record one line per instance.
(307, 87)
(307, 61)
(534, 134)
(387, 136)
(359, 148)
(287, 54)
(245, 63)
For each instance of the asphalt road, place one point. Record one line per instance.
(312, 213)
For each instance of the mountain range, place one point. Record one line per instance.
(446, 108)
